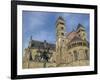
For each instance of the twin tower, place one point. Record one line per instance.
(63, 40)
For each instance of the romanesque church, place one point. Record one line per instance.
(70, 49)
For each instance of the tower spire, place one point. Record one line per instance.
(31, 38)
(30, 42)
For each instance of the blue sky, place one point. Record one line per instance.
(41, 25)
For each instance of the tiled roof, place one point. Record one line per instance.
(76, 38)
(71, 35)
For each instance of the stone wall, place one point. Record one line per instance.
(32, 64)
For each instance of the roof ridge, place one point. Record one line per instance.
(70, 33)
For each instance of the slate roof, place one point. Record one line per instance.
(39, 44)
(60, 17)
(79, 25)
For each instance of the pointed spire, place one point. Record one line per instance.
(80, 25)
(60, 17)
(31, 38)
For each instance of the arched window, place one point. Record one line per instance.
(62, 34)
(70, 57)
(75, 55)
(62, 28)
(86, 55)
(80, 43)
(62, 23)
(84, 44)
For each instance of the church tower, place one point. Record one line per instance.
(60, 39)
(60, 28)
(81, 32)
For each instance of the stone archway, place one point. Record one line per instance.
(81, 54)
(70, 57)
(76, 55)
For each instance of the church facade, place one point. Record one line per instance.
(70, 49)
